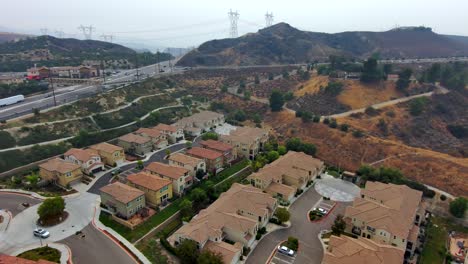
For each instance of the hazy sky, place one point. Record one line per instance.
(182, 23)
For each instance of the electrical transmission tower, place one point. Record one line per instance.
(87, 31)
(59, 33)
(233, 17)
(107, 38)
(44, 31)
(268, 19)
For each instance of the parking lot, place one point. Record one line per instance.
(280, 258)
(326, 205)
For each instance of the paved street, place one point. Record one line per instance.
(310, 248)
(72, 93)
(92, 246)
(12, 202)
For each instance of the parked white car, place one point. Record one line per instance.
(285, 250)
(40, 232)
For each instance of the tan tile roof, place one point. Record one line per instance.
(132, 138)
(204, 153)
(245, 135)
(347, 250)
(203, 116)
(121, 192)
(223, 213)
(172, 172)
(106, 147)
(82, 155)
(147, 180)
(216, 145)
(185, 159)
(386, 206)
(228, 251)
(59, 165)
(285, 190)
(151, 132)
(164, 127)
(5, 259)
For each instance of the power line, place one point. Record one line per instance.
(212, 22)
(87, 31)
(108, 37)
(268, 19)
(59, 33)
(233, 18)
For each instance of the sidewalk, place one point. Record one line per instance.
(117, 237)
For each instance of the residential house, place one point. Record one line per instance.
(157, 190)
(228, 151)
(198, 123)
(123, 200)
(173, 133)
(180, 177)
(387, 214)
(247, 141)
(284, 176)
(348, 250)
(60, 172)
(235, 216)
(110, 154)
(88, 159)
(135, 144)
(213, 159)
(190, 163)
(157, 137)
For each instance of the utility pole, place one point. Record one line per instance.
(59, 33)
(268, 19)
(136, 65)
(107, 38)
(233, 18)
(87, 31)
(53, 89)
(157, 58)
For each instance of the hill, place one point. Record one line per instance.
(284, 44)
(7, 36)
(51, 51)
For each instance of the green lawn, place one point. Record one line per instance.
(44, 253)
(437, 233)
(151, 249)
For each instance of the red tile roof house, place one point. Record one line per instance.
(88, 159)
(158, 138)
(173, 133)
(180, 177)
(214, 160)
(228, 151)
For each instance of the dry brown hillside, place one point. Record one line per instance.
(342, 149)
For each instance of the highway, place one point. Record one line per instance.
(69, 94)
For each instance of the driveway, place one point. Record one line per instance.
(92, 246)
(310, 248)
(19, 233)
(12, 202)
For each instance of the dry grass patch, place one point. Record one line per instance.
(358, 95)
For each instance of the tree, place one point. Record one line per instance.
(210, 257)
(339, 225)
(458, 207)
(140, 165)
(186, 208)
(210, 135)
(282, 214)
(6, 140)
(187, 251)
(224, 88)
(168, 152)
(282, 150)
(306, 116)
(272, 156)
(344, 127)
(199, 174)
(36, 111)
(33, 179)
(387, 69)
(289, 96)
(188, 144)
(51, 207)
(247, 95)
(371, 72)
(417, 105)
(240, 115)
(276, 100)
(257, 79)
(199, 196)
(404, 80)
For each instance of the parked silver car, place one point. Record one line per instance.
(40, 232)
(285, 250)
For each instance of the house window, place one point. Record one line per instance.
(68, 174)
(163, 189)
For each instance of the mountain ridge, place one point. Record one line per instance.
(283, 44)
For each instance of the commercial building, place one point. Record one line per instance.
(72, 72)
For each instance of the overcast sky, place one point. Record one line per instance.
(183, 23)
